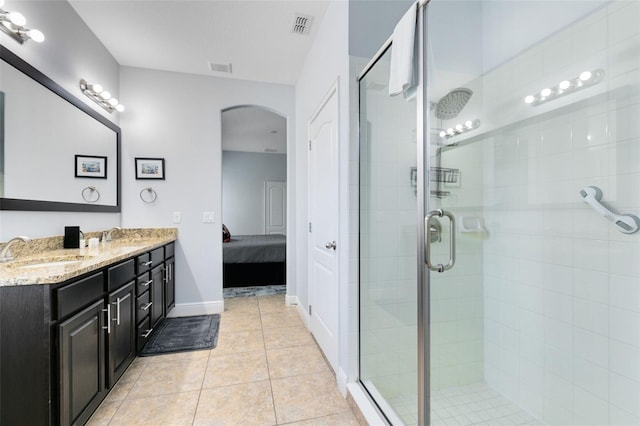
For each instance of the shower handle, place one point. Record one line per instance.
(452, 241)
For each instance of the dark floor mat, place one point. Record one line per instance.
(183, 334)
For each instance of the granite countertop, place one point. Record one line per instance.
(44, 261)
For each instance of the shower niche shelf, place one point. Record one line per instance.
(446, 175)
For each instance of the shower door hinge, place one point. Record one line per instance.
(309, 145)
(309, 226)
(309, 310)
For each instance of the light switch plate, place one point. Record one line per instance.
(177, 217)
(208, 217)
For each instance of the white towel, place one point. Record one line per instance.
(401, 76)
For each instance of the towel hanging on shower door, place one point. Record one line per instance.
(403, 76)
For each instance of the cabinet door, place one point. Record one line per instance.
(82, 364)
(157, 294)
(122, 338)
(170, 285)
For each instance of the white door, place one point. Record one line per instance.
(275, 207)
(323, 217)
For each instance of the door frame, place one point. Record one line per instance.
(333, 91)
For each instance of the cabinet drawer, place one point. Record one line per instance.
(144, 306)
(121, 274)
(77, 295)
(169, 250)
(157, 256)
(143, 282)
(144, 332)
(143, 263)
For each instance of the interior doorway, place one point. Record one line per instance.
(254, 213)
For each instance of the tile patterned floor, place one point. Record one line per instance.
(266, 370)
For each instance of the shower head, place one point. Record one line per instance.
(450, 105)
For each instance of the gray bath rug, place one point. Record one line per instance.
(183, 334)
(263, 290)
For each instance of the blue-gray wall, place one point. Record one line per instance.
(243, 178)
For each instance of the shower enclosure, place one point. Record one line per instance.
(499, 258)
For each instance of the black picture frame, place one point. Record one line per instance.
(150, 168)
(90, 166)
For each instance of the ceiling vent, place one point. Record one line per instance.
(271, 150)
(302, 24)
(220, 67)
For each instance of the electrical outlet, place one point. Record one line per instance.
(208, 217)
(177, 217)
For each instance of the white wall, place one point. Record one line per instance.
(69, 53)
(326, 63)
(243, 177)
(178, 117)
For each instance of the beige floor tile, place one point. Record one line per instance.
(285, 318)
(104, 414)
(177, 357)
(244, 404)
(241, 341)
(285, 337)
(241, 304)
(165, 378)
(272, 303)
(295, 360)
(232, 322)
(175, 409)
(343, 419)
(237, 368)
(307, 397)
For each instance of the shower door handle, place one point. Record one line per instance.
(452, 241)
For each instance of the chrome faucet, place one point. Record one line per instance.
(5, 254)
(106, 235)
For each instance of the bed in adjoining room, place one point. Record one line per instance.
(254, 260)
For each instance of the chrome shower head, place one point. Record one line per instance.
(450, 105)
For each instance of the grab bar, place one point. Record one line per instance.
(452, 241)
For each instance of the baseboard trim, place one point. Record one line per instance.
(192, 309)
(364, 407)
(291, 300)
(341, 378)
(303, 313)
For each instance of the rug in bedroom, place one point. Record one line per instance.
(263, 290)
(183, 334)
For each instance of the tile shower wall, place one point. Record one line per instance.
(561, 284)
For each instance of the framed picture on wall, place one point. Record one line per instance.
(91, 166)
(150, 168)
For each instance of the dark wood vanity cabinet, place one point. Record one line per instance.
(82, 360)
(64, 346)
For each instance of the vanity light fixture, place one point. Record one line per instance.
(460, 128)
(565, 87)
(12, 23)
(96, 93)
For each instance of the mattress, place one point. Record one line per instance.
(255, 249)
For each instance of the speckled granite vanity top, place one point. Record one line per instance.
(44, 261)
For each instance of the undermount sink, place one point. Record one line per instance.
(51, 263)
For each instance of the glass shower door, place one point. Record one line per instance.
(388, 240)
(534, 151)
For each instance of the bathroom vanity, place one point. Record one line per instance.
(71, 322)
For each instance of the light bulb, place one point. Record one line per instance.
(16, 18)
(459, 127)
(468, 123)
(529, 99)
(586, 75)
(443, 133)
(113, 102)
(545, 92)
(36, 36)
(119, 107)
(105, 95)
(96, 88)
(450, 131)
(564, 84)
